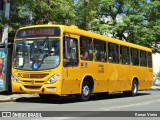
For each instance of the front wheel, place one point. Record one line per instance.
(86, 92)
(134, 89)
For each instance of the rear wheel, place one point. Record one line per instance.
(86, 92)
(134, 89)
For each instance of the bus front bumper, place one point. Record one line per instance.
(43, 89)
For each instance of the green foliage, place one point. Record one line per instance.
(3, 20)
(27, 12)
(136, 21)
(42, 11)
(86, 12)
(156, 74)
(1, 23)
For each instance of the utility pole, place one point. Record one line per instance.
(1, 17)
(4, 11)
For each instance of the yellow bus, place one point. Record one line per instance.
(58, 60)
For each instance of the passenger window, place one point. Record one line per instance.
(143, 58)
(149, 59)
(134, 57)
(70, 51)
(125, 56)
(113, 53)
(100, 51)
(86, 51)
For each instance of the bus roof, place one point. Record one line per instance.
(75, 30)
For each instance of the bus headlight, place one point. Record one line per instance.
(54, 78)
(15, 78)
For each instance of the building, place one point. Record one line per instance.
(156, 62)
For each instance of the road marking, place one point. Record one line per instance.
(132, 105)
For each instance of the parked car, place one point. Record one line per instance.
(157, 81)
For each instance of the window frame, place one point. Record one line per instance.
(99, 52)
(143, 58)
(125, 59)
(149, 61)
(88, 48)
(115, 59)
(133, 57)
(70, 63)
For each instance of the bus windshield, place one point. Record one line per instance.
(39, 54)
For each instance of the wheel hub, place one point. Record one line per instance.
(85, 90)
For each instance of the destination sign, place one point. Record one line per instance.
(38, 32)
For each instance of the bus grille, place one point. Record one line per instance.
(32, 87)
(30, 82)
(40, 75)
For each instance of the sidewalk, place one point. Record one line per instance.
(155, 88)
(13, 97)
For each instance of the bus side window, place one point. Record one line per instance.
(143, 58)
(125, 56)
(86, 51)
(113, 53)
(100, 53)
(70, 51)
(134, 57)
(149, 59)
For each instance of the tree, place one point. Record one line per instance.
(86, 11)
(134, 21)
(153, 18)
(1, 23)
(3, 20)
(25, 12)
(156, 74)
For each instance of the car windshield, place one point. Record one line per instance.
(39, 54)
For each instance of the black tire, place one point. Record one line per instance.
(85, 91)
(134, 89)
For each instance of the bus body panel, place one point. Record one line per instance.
(71, 80)
(107, 77)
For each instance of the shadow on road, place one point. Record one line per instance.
(72, 99)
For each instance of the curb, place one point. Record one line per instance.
(14, 97)
(155, 88)
(8, 100)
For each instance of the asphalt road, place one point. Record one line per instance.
(146, 106)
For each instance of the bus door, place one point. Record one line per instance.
(71, 81)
